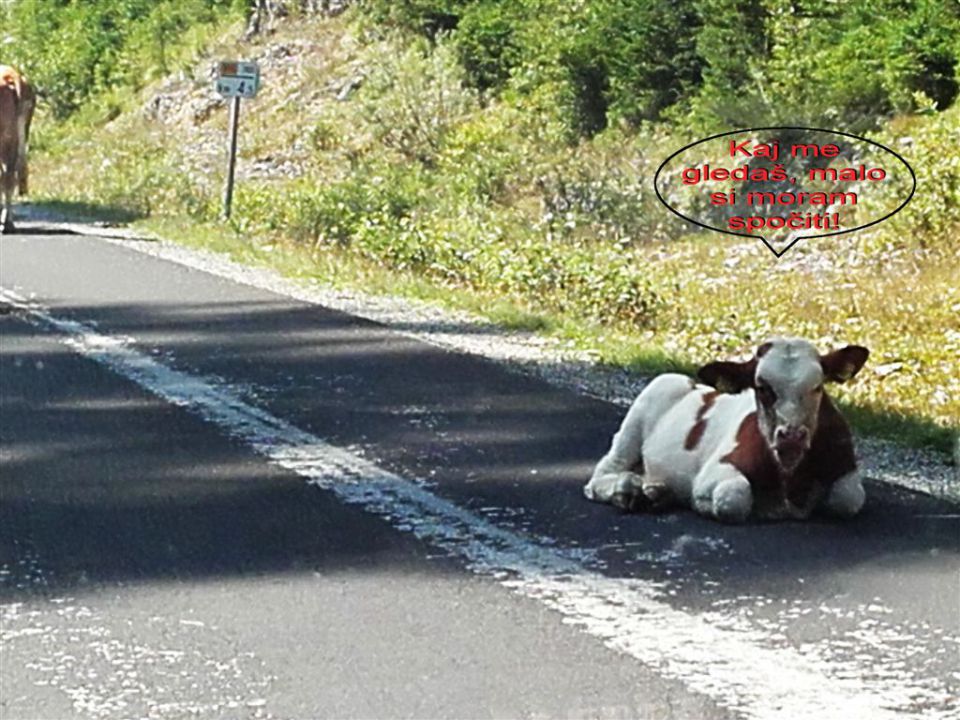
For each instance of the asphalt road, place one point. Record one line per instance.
(221, 502)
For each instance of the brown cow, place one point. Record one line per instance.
(17, 102)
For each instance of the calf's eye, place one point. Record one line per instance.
(766, 394)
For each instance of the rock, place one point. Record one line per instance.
(887, 369)
(348, 87)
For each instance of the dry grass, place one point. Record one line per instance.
(905, 307)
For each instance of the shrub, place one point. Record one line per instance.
(74, 51)
(847, 66)
(316, 212)
(486, 43)
(413, 96)
(426, 17)
(483, 155)
(932, 218)
(610, 60)
(605, 191)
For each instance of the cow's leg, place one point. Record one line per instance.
(846, 496)
(6, 214)
(21, 168)
(630, 491)
(22, 176)
(721, 491)
(28, 103)
(615, 479)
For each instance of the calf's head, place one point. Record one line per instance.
(787, 377)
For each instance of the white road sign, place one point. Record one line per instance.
(238, 79)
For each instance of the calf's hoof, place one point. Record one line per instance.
(658, 496)
(634, 493)
(627, 492)
(732, 501)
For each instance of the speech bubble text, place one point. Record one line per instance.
(783, 184)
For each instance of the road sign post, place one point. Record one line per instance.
(232, 157)
(235, 80)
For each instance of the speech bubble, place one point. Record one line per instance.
(782, 184)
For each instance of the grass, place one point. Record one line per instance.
(85, 211)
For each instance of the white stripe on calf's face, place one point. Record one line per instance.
(789, 387)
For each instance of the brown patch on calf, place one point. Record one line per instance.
(700, 424)
(695, 435)
(830, 457)
(755, 460)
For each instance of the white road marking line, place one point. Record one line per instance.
(735, 667)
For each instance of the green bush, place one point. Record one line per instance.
(652, 56)
(318, 213)
(609, 60)
(77, 50)
(932, 218)
(429, 18)
(486, 42)
(847, 66)
(412, 98)
(484, 155)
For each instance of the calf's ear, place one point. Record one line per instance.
(841, 365)
(728, 377)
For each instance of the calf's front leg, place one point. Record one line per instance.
(722, 492)
(846, 496)
(613, 480)
(624, 489)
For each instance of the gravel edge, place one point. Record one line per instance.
(526, 352)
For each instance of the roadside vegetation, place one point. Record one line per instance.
(499, 157)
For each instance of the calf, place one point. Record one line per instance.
(17, 102)
(759, 438)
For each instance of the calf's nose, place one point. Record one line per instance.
(792, 435)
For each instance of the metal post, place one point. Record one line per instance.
(232, 161)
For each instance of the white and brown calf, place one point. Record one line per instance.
(759, 438)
